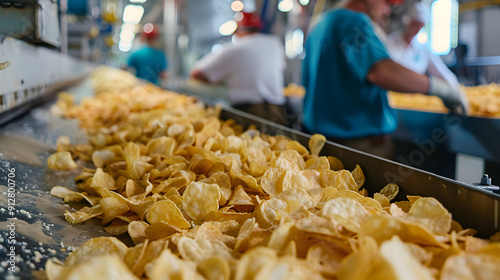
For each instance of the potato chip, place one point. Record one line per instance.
(383, 228)
(347, 181)
(95, 247)
(471, 267)
(199, 199)
(390, 191)
(382, 199)
(298, 195)
(137, 231)
(61, 161)
(135, 167)
(430, 213)
(84, 214)
(112, 207)
(197, 250)
(275, 181)
(316, 143)
(253, 261)
(241, 200)
(318, 163)
(164, 146)
(295, 157)
(102, 157)
(346, 211)
(117, 227)
(215, 268)
(335, 163)
(166, 211)
(169, 266)
(359, 176)
(294, 145)
(270, 211)
(98, 267)
(324, 259)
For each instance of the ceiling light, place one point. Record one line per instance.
(133, 14)
(237, 6)
(285, 5)
(228, 28)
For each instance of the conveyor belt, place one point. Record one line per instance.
(26, 143)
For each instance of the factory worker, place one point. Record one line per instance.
(149, 63)
(405, 49)
(252, 69)
(347, 72)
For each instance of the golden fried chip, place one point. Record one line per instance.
(117, 227)
(430, 213)
(199, 199)
(480, 266)
(197, 250)
(382, 199)
(390, 191)
(167, 211)
(253, 261)
(316, 143)
(96, 247)
(61, 161)
(214, 268)
(112, 207)
(84, 214)
(335, 163)
(102, 157)
(359, 176)
(346, 211)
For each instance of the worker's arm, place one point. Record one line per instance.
(390, 75)
(198, 75)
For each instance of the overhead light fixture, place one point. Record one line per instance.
(228, 28)
(138, 1)
(285, 6)
(444, 21)
(304, 2)
(133, 14)
(237, 6)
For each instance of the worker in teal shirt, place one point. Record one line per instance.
(347, 72)
(149, 62)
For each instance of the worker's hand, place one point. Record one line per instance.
(453, 98)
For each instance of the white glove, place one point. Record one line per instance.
(453, 98)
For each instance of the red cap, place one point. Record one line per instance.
(150, 31)
(396, 2)
(251, 20)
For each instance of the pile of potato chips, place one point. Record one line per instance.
(202, 198)
(484, 101)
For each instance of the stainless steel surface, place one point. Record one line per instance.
(36, 21)
(31, 74)
(25, 145)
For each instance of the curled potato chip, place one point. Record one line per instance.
(316, 143)
(295, 157)
(430, 213)
(275, 181)
(164, 146)
(61, 161)
(111, 208)
(270, 211)
(166, 211)
(197, 250)
(253, 261)
(390, 191)
(103, 179)
(199, 199)
(215, 268)
(84, 214)
(100, 158)
(359, 176)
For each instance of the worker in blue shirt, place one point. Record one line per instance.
(149, 62)
(347, 72)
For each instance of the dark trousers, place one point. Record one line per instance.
(270, 112)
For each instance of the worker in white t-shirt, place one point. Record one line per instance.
(252, 69)
(405, 49)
